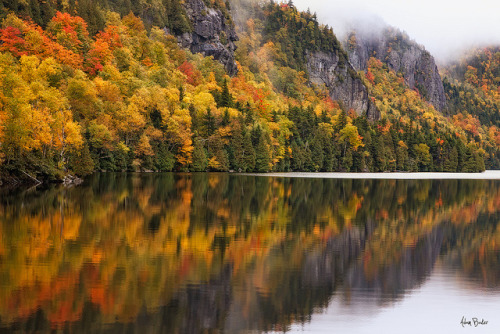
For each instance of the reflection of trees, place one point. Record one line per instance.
(475, 248)
(194, 252)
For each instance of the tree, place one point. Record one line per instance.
(164, 159)
(209, 123)
(349, 136)
(238, 150)
(262, 155)
(317, 153)
(424, 158)
(70, 31)
(200, 161)
(249, 155)
(80, 161)
(341, 122)
(12, 41)
(225, 99)
(451, 161)
(402, 156)
(218, 160)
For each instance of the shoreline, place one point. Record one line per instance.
(486, 175)
(14, 182)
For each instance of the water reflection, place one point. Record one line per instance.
(204, 252)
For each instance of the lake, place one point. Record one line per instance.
(227, 253)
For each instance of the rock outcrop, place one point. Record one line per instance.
(334, 71)
(402, 55)
(212, 34)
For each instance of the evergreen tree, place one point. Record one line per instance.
(378, 153)
(81, 162)
(225, 118)
(262, 155)
(249, 118)
(402, 157)
(248, 153)
(209, 123)
(347, 161)
(226, 99)
(200, 161)
(194, 119)
(317, 154)
(451, 161)
(390, 158)
(341, 122)
(470, 165)
(164, 159)
(480, 167)
(328, 161)
(324, 117)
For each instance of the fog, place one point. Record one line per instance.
(444, 27)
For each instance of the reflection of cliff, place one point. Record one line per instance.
(342, 267)
(335, 260)
(199, 307)
(390, 281)
(293, 292)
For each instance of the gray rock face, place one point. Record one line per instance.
(212, 34)
(332, 70)
(401, 55)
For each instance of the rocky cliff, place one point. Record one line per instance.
(213, 34)
(334, 71)
(401, 55)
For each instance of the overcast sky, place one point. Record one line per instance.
(444, 27)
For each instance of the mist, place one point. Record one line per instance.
(445, 28)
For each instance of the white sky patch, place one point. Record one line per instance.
(444, 27)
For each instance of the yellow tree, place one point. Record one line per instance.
(179, 135)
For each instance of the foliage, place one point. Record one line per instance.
(126, 98)
(472, 87)
(412, 132)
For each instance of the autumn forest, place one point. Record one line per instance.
(121, 94)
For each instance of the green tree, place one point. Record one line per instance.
(80, 162)
(317, 154)
(248, 153)
(164, 159)
(262, 155)
(451, 161)
(226, 99)
(200, 161)
(209, 123)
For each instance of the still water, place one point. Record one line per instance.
(223, 253)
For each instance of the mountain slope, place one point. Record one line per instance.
(472, 86)
(298, 41)
(402, 55)
(202, 26)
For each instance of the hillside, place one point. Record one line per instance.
(80, 96)
(472, 87)
(464, 94)
(202, 26)
(401, 54)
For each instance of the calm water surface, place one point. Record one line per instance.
(222, 253)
